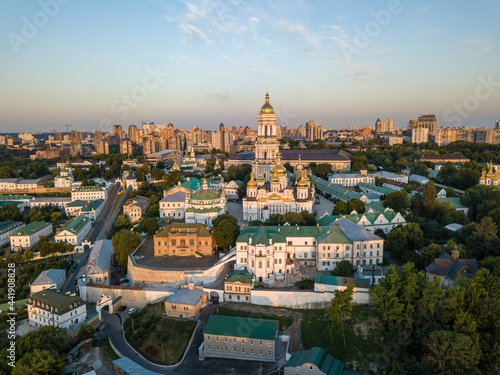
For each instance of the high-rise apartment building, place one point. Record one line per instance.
(118, 131)
(313, 131)
(420, 135)
(133, 134)
(75, 143)
(126, 147)
(428, 122)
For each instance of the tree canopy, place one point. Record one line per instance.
(124, 242)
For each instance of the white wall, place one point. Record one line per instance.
(300, 299)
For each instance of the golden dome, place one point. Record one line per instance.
(267, 108)
(252, 183)
(260, 178)
(279, 169)
(275, 180)
(304, 182)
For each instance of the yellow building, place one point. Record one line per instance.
(184, 239)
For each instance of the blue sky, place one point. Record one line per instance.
(342, 63)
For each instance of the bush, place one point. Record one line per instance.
(151, 349)
(305, 284)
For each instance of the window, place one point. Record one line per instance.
(217, 339)
(225, 339)
(225, 348)
(260, 352)
(260, 343)
(174, 242)
(209, 347)
(234, 350)
(217, 348)
(269, 353)
(251, 351)
(234, 341)
(251, 342)
(243, 350)
(208, 338)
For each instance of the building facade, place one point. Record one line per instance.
(240, 338)
(270, 252)
(54, 308)
(184, 239)
(53, 278)
(88, 193)
(74, 231)
(238, 286)
(28, 236)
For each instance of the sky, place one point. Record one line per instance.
(340, 63)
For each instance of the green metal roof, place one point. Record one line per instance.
(30, 228)
(185, 228)
(205, 195)
(378, 189)
(77, 203)
(202, 210)
(93, 205)
(9, 224)
(7, 203)
(318, 357)
(74, 225)
(260, 329)
(279, 234)
(9, 197)
(242, 276)
(56, 299)
(89, 188)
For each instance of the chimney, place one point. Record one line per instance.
(191, 286)
(455, 254)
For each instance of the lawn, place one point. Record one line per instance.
(285, 321)
(362, 336)
(147, 331)
(107, 352)
(119, 196)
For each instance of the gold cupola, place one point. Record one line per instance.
(267, 108)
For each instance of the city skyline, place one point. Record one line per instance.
(201, 63)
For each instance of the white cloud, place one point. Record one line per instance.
(218, 95)
(476, 46)
(363, 72)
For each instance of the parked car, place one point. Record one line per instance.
(122, 308)
(132, 310)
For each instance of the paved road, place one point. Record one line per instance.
(81, 258)
(191, 365)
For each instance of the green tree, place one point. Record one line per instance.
(429, 197)
(323, 170)
(492, 264)
(86, 331)
(39, 362)
(450, 192)
(340, 308)
(121, 222)
(398, 201)
(451, 352)
(404, 239)
(343, 268)
(55, 217)
(225, 234)
(224, 217)
(356, 205)
(429, 253)
(340, 208)
(124, 242)
(151, 226)
(291, 218)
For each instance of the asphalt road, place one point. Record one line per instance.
(191, 365)
(81, 258)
